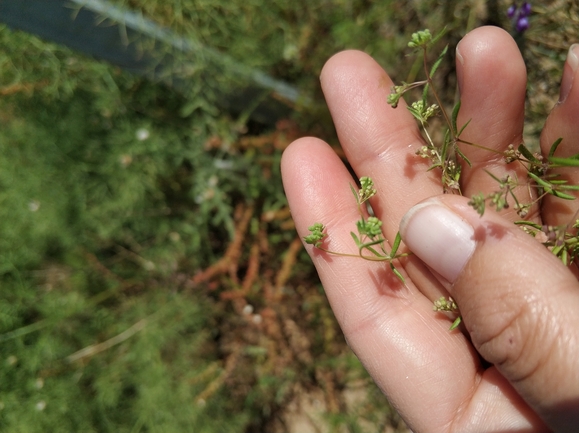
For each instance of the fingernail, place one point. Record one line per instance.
(458, 55)
(569, 72)
(439, 237)
(459, 70)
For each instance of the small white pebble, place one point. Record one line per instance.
(40, 406)
(223, 164)
(142, 134)
(247, 310)
(33, 205)
(212, 181)
(149, 265)
(257, 319)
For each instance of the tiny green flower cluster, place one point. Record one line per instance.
(372, 227)
(369, 238)
(422, 112)
(316, 235)
(443, 304)
(500, 198)
(367, 189)
(396, 94)
(448, 305)
(420, 39)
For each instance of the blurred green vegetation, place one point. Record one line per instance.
(151, 279)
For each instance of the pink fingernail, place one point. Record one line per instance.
(459, 70)
(458, 55)
(569, 72)
(439, 237)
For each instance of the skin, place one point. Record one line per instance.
(511, 286)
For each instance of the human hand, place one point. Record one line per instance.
(519, 303)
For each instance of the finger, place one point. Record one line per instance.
(563, 122)
(380, 141)
(518, 302)
(404, 345)
(492, 80)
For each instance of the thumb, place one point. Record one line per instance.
(519, 303)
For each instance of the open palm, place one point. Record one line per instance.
(437, 379)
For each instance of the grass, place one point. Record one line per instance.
(151, 276)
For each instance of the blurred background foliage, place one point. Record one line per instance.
(151, 278)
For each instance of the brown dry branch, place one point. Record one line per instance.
(280, 214)
(250, 277)
(229, 262)
(218, 382)
(22, 87)
(285, 132)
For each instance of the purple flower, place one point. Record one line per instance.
(525, 10)
(522, 24)
(519, 16)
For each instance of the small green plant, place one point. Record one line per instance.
(448, 305)
(370, 241)
(448, 158)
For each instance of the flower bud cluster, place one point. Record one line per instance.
(316, 235)
(443, 304)
(520, 16)
(367, 189)
(422, 112)
(420, 39)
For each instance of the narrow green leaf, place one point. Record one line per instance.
(439, 35)
(565, 257)
(395, 245)
(438, 61)
(494, 177)
(425, 94)
(455, 111)
(462, 155)
(540, 181)
(565, 162)
(355, 193)
(554, 146)
(530, 224)
(562, 195)
(463, 128)
(455, 323)
(527, 153)
(444, 149)
(355, 239)
(397, 273)
(372, 243)
(373, 251)
(447, 135)
(567, 187)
